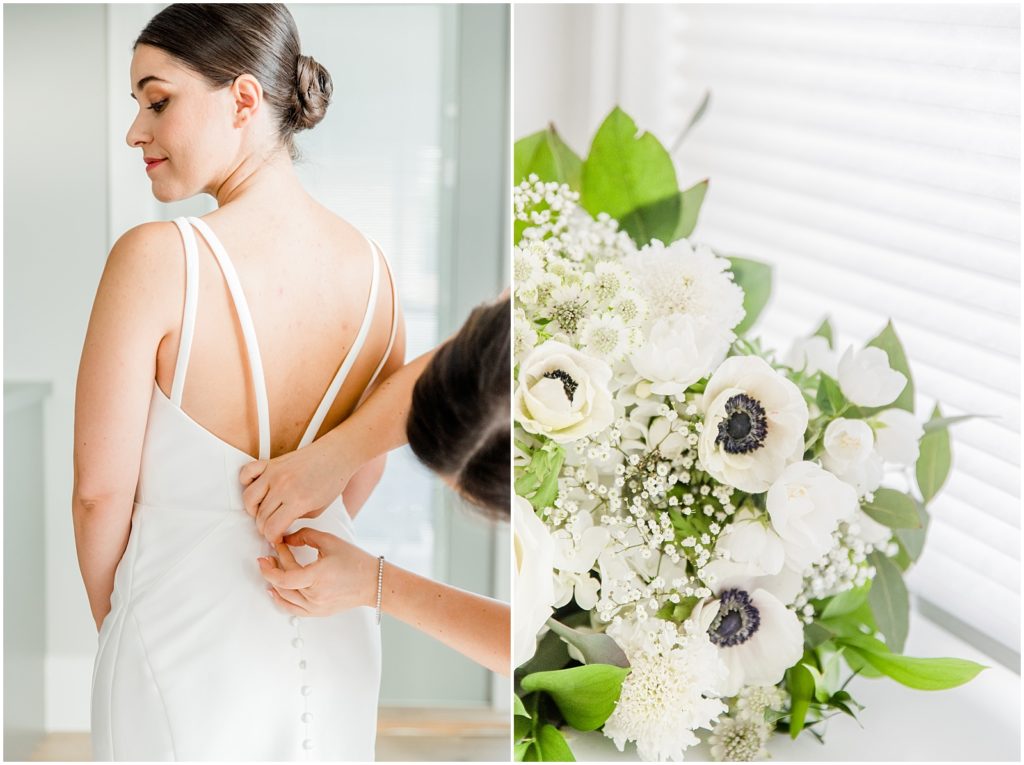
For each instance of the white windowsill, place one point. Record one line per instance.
(979, 721)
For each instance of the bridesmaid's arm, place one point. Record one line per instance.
(129, 318)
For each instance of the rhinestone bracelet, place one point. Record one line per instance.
(380, 583)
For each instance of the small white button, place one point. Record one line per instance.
(302, 664)
(293, 621)
(307, 744)
(307, 717)
(297, 642)
(306, 690)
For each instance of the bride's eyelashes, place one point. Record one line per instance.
(158, 106)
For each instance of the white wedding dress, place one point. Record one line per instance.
(195, 660)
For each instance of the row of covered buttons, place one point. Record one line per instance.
(305, 690)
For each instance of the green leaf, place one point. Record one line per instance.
(626, 170)
(941, 423)
(585, 695)
(519, 751)
(817, 633)
(755, 279)
(911, 541)
(522, 155)
(518, 708)
(547, 155)
(698, 113)
(551, 653)
(889, 601)
(846, 602)
(893, 509)
(521, 727)
(532, 753)
(690, 204)
(922, 674)
(857, 663)
(830, 397)
(657, 220)
(800, 684)
(552, 745)
(538, 481)
(596, 647)
(890, 343)
(934, 461)
(825, 331)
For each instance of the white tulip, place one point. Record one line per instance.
(866, 378)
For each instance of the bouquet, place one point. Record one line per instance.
(710, 537)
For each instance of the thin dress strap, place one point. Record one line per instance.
(394, 324)
(188, 319)
(248, 331)
(350, 358)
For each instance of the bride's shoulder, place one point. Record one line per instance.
(145, 261)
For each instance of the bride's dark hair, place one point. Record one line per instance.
(222, 41)
(459, 420)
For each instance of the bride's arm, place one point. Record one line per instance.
(115, 383)
(345, 576)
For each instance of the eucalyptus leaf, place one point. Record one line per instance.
(934, 461)
(584, 695)
(596, 647)
(755, 279)
(893, 509)
(940, 423)
(551, 653)
(626, 169)
(911, 541)
(888, 341)
(922, 674)
(825, 330)
(889, 601)
(552, 745)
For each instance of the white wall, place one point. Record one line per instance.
(55, 245)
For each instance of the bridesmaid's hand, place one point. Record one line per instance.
(342, 577)
(299, 484)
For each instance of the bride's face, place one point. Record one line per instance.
(184, 127)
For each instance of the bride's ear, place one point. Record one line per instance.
(248, 98)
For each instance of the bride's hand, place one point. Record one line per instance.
(342, 577)
(299, 484)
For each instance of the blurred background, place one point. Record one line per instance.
(871, 154)
(414, 151)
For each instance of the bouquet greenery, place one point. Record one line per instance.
(709, 536)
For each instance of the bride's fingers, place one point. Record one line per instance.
(315, 538)
(270, 505)
(286, 605)
(295, 579)
(251, 471)
(284, 554)
(254, 494)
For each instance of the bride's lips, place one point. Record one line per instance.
(152, 162)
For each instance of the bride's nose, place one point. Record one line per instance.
(137, 135)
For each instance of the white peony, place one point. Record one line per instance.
(898, 436)
(806, 504)
(676, 354)
(754, 424)
(866, 378)
(757, 637)
(532, 588)
(812, 354)
(562, 393)
(670, 690)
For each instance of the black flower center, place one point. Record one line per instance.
(737, 619)
(568, 384)
(744, 427)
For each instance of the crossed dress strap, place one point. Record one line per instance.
(188, 319)
(394, 325)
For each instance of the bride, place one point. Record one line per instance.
(214, 341)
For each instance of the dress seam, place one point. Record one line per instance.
(156, 684)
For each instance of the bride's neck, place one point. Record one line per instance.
(256, 177)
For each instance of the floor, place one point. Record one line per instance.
(403, 735)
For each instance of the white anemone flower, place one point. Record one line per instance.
(757, 637)
(532, 588)
(754, 424)
(866, 378)
(898, 436)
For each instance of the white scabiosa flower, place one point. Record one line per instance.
(757, 637)
(562, 393)
(532, 588)
(806, 504)
(898, 436)
(740, 739)
(676, 354)
(525, 334)
(753, 700)
(670, 690)
(681, 278)
(606, 337)
(866, 378)
(754, 424)
(527, 266)
(812, 354)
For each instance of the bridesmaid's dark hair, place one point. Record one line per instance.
(458, 423)
(221, 42)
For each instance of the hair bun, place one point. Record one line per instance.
(313, 88)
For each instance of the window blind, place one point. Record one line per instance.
(872, 155)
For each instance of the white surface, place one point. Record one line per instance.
(979, 721)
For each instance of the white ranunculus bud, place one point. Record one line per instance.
(754, 424)
(848, 442)
(812, 354)
(898, 436)
(677, 353)
(533, 587)
(866, 378)
(562, 393)
(806, 504)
